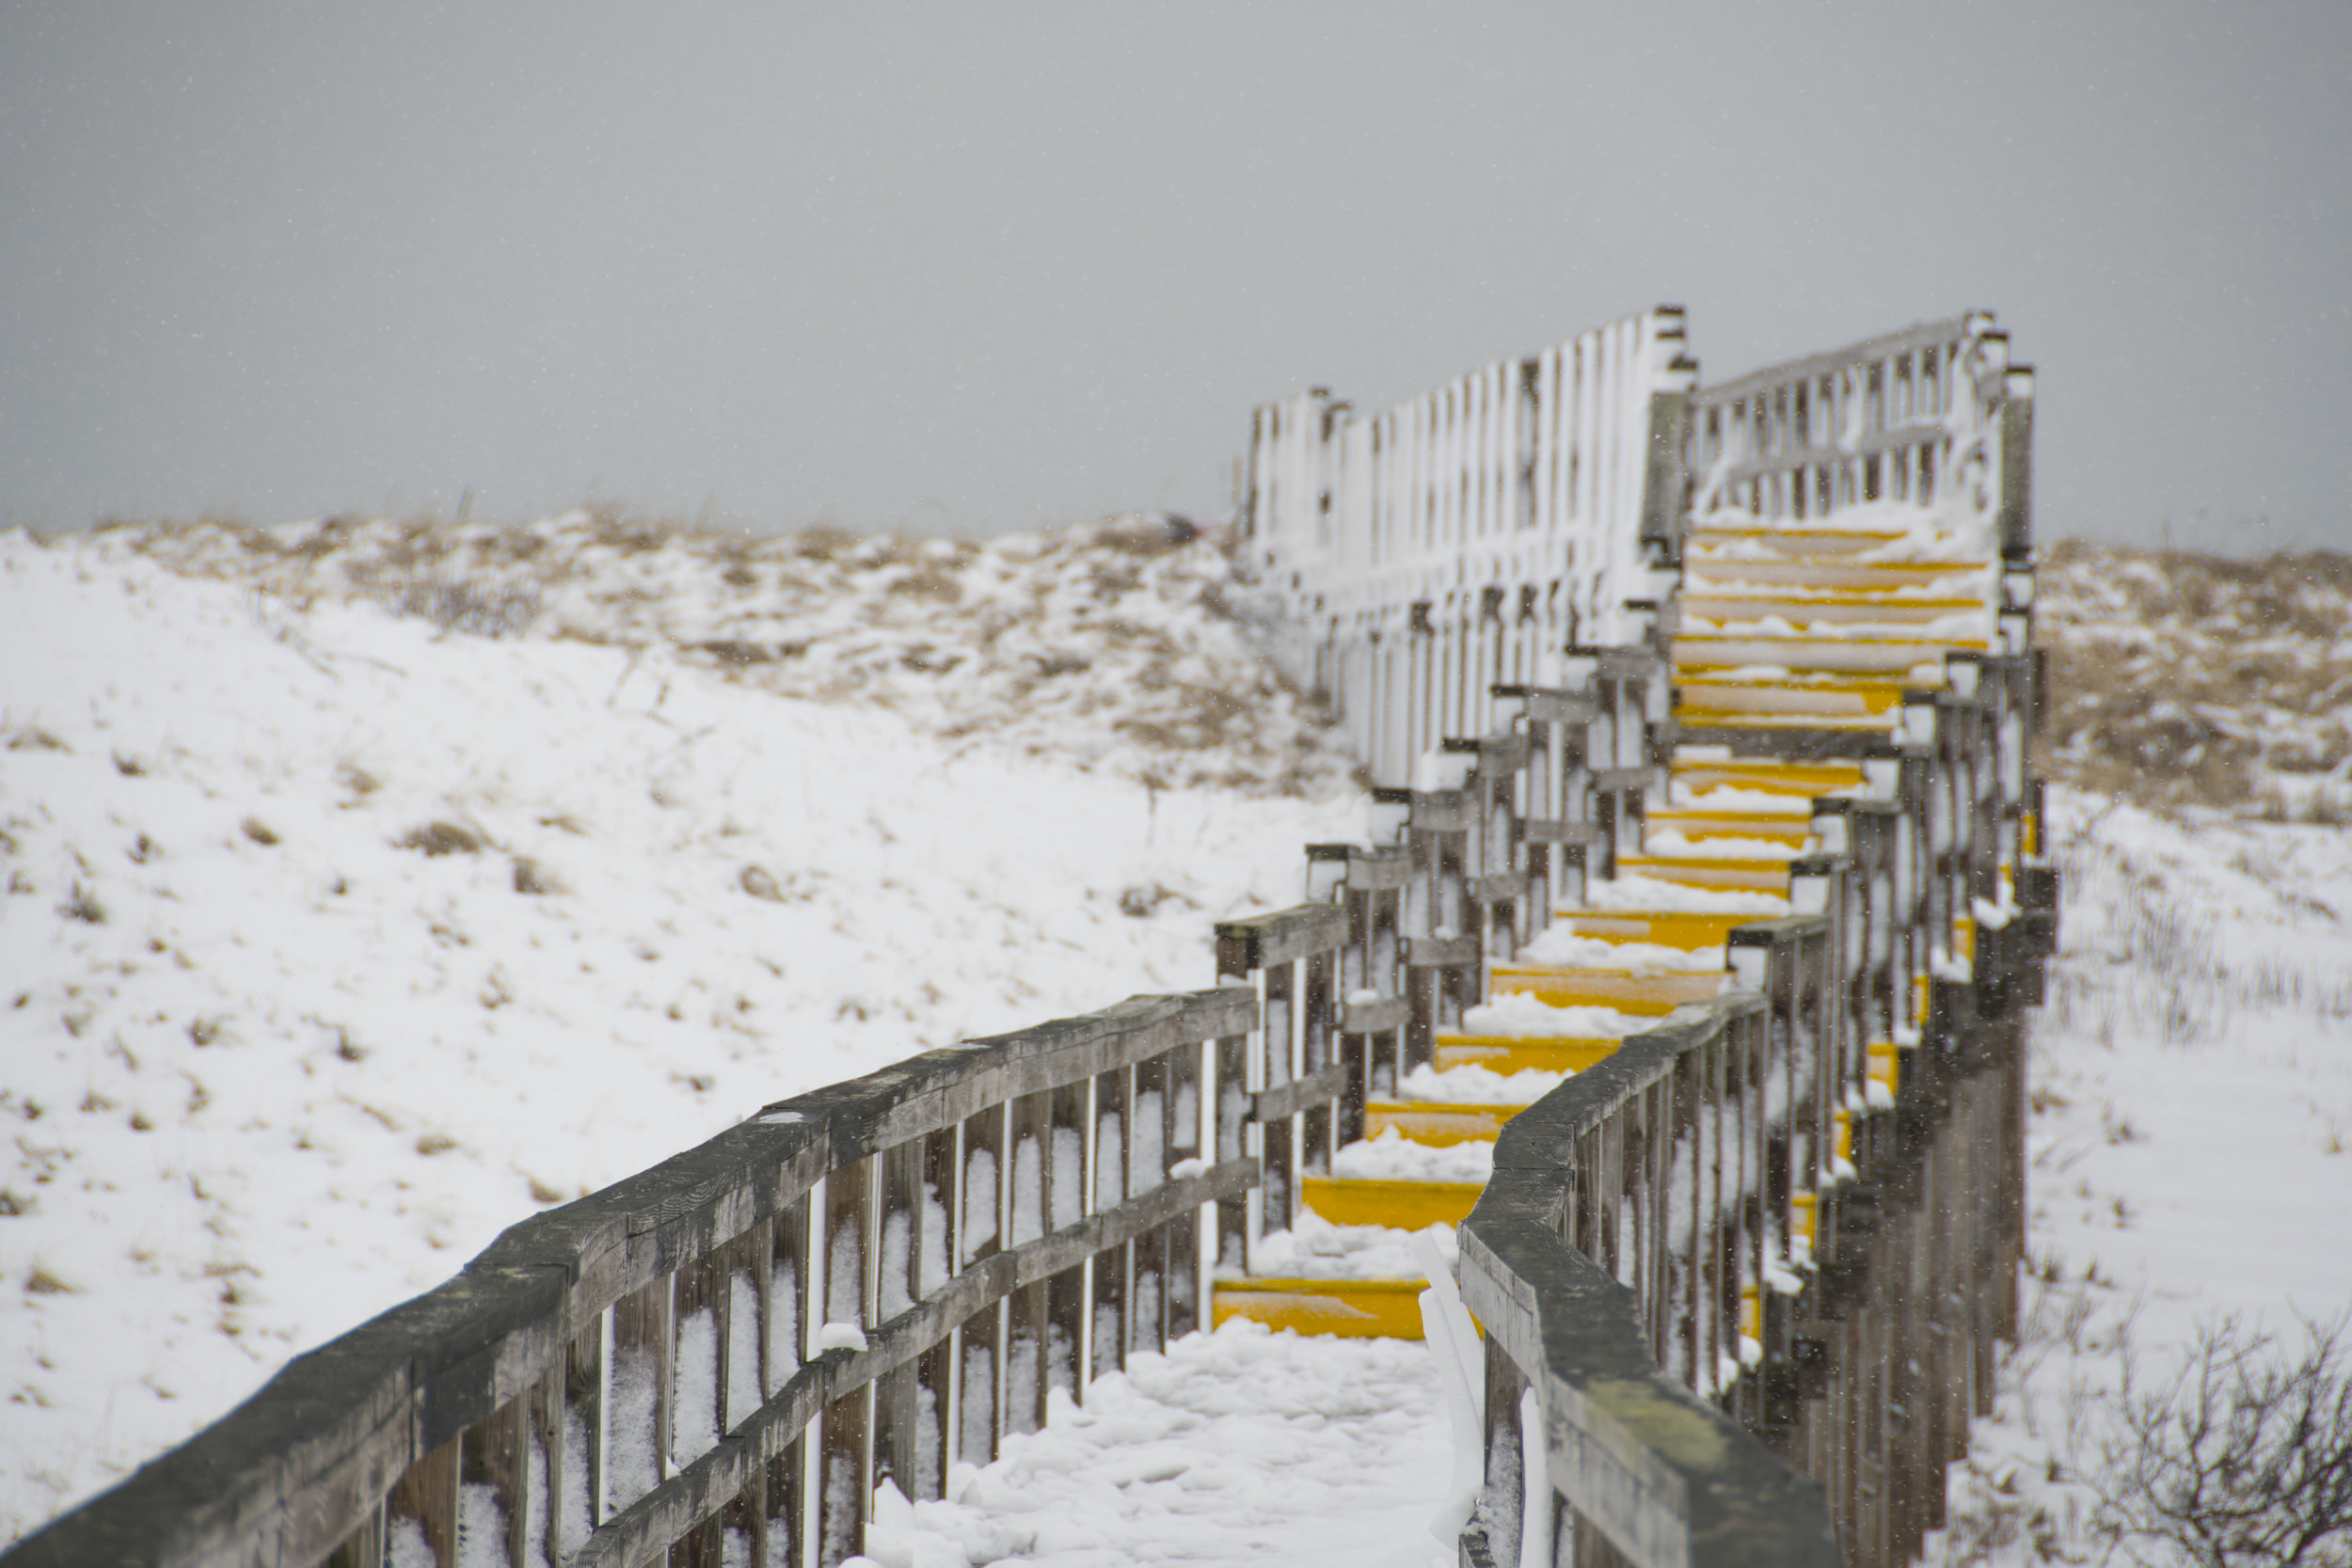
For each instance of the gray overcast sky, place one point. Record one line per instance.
(964, 267)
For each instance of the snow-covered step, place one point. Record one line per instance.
(1687, 930)
(1757, 874)
(1703, 571)
(1702, 773)
(1649, 996)
(1918, 661)
(1349, 1308)
(1785, 701)
(1400, 1204)
(1717, 826)
(1729, 609)
(1436, 1123)
(1511, 1053)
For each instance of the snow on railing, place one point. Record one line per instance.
(1934, 416)
(1464, 538)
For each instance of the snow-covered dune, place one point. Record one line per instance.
(334, 940)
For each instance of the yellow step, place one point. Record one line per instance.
(1686, 930)
(1700, 826)
(1349, 1308)
(1698, 655)
(1724, 875)
(1398, 1205)
(1852, 607)
(1430, 1122)
(1793, 536)
(1506, 1055)
(1750, 705)
(1765, 776)
(1651, 996)
(1825, 580)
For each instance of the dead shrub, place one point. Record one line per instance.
(2237, 1457)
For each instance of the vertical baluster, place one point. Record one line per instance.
(845, 1441)
(1066, 1292)
(1148, 1158)
(1029, 1218)
(697, 1401)
(897, 1287)
(1230, 1109)
(980, 1207)
(639, 1417)
(1279, 1146)
(421, 1511)
(493, 1502)
(1187, 1107)
(580, 1492)
(1317, 1025)
(1111, 1275)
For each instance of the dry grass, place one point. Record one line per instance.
(1127, 643)
(2180, 679)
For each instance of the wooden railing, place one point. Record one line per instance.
(1465, 538)
(1740, 1281)
(718, 1360)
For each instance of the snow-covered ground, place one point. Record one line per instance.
(334, 941)
(340, 934)
(2191, 1084)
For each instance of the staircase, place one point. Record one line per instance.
(1792, 649)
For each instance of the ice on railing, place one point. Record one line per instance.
(845, 1277)
(1028, 1192)
(579, 1508)
(1069, 1170)
(408, 1547)
(632, 1451)
(935, 1274)
(784, 1324)
(1110, 1162)
(930, 1461)
(976, 1399)
(897, 1258)
(481, 1526)
(1147, 1306)
(742, 1348)
(1629, 1255)
(979, 1200)
(536, 1498)
(1023, 1379)
(1150, 1154)
(694, 1390)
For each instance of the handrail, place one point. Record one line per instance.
(531, 1393)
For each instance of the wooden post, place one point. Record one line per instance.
(579, 1506)
(1112, 1276)
(423, 1507)
(490, 1456)
(1066, 1292)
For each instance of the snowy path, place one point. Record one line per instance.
(1241, 1447)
